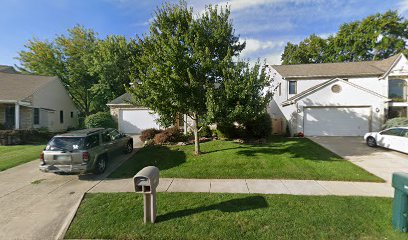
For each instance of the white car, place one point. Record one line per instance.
(392, 138)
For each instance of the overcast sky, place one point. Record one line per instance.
(266, 25)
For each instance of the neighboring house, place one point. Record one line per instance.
(32, 101)
(339, 99)
(133, 119)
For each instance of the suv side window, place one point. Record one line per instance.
(92, 141)
(392, 132)
(106, 137)
(114, 134)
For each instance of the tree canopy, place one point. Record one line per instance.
(376, 37)
(186, 64)
(94, 71)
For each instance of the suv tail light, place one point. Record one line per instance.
(42, 158)
(85, 156)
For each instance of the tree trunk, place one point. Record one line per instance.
(196, 138)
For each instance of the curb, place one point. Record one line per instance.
(69, 219)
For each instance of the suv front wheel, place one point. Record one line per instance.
(129, 147)
(100, 165)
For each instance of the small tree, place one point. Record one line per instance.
(182, 61)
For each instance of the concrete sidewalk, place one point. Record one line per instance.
(262, 186)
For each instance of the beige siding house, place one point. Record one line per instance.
(32, 102)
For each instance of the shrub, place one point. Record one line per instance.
(396, 122)
(23, 136)
(226, 130)
(149, 134)
(2, 127)
(205, 131)
(260, 127)
(100, 120)
(170, 135)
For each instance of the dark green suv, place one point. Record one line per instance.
(83, 151)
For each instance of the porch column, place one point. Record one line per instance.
(17, 116)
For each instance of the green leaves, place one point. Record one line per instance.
(376, 37)
(94, 71)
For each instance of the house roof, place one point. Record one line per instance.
(322, 85)
(124, 99)
(16, 87)
(7, 69)
(332, 70)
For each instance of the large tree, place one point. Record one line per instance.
(243, 95)
(184, 60)
(376, 37)
(93, 70)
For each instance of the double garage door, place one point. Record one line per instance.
(336, 121)
(136, 120)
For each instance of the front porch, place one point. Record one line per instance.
(16, 116)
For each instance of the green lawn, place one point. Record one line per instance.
(11, 156)
(280, 158)
(234, 216)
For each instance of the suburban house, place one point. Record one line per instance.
(133, 119)
(339, 99)
(32, 101)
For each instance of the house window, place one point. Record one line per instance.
(36, 116)
(394, 112)
(61, 116)
(397, 90)
(72, 114)
(292, 87)
(336, 88)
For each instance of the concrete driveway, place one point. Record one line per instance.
(36, 205)
(379, 161)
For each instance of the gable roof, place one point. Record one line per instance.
(332, 70)
(124, 99)
(322, 85)
(16, 87)
(7, 69)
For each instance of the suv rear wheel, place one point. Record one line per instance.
(100, 165)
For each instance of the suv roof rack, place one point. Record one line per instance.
(82, 132)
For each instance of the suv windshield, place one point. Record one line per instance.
(65, 144)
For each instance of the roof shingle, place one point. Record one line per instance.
(330, 70)
(16, 87)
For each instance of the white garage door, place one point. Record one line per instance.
(135, 120)
(336, 121)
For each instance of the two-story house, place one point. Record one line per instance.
(339, 99)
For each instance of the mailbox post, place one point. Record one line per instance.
(146, 182)
(400, 202)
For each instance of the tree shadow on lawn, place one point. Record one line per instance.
(296, 148)
(234, 205)
(161, 157)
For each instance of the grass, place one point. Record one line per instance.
(234, 216)
(11, 156)
(280, 158)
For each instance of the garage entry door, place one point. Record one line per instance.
(336, 121)
(136, 120)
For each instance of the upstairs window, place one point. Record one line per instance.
(397, 90)
(61, 116)
(292, 87)
(36, 116)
